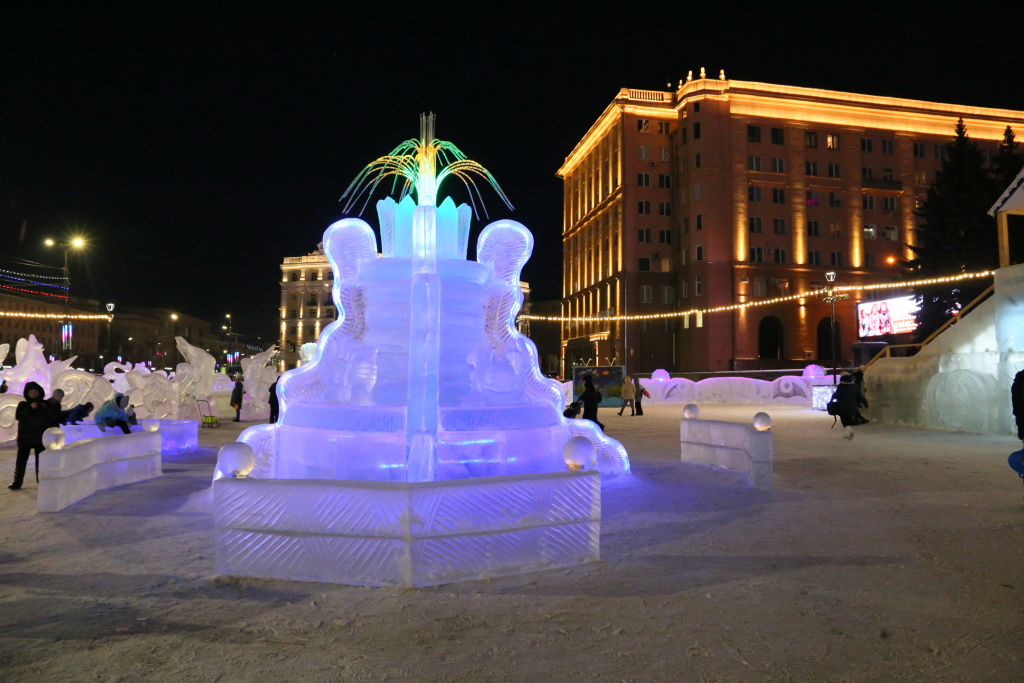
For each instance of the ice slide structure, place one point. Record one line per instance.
(421, 445)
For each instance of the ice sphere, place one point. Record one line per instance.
(53, 438)
(579, 454)
(691, 411)
(235, 459)
(762, 422)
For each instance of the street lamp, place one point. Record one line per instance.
(831, 298)
(110, 318)
(230, 345)
(72, 243)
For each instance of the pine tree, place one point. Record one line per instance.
(956, 234)
(1008, 161)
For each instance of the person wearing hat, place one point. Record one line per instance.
(850, 399)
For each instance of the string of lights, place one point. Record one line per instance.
(30, 291)
(760, 302)
(32, 275)
(9, 278)
(55, 316)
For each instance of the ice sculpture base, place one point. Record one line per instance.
(69, 474)
(730, 446)
(368, 533)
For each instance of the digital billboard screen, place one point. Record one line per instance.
(890, 316)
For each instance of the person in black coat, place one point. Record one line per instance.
(590, 398)
(236, 399)
(76, 414)
(850, 400)
(274, 406)
(34, 417)
(1017, 400)
(54, 403)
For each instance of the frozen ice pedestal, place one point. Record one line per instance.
(406, 534)
(421, 444)
(729, 445)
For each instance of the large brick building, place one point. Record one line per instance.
(724, 192)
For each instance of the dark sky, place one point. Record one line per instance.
(197, 146)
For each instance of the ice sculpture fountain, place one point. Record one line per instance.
(421, 444)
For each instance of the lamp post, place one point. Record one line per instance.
(831, 298)
(110, 319)
(72, 243)
(230, 345)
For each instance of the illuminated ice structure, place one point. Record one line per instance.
(421, 445)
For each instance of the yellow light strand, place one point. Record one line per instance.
(751, 304)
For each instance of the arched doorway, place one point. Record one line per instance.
(825, 345)
(769, 338)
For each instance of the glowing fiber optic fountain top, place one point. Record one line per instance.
(417, 162)
(424, 377)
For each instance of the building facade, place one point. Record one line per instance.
(22, 315)
(306, 304)
(724, 192)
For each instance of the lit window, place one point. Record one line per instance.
(835, 229)
(920, 177)
(891, 233)
(869, 232)
(832, 141)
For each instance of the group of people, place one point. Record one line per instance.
(36, 414)
(632, 395)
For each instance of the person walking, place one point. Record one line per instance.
(236, 399)
(111, 414)
(3, 386)
(590, 398)
(850, 399)
(34, 417)
(640, 393)
(628, 396)
(274, 406)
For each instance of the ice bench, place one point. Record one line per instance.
(729, 445)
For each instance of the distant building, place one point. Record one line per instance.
(22, 315)
(306, 303)
(146, 335)
(724, 192)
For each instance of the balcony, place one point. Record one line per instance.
(874, 184)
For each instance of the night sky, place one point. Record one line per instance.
(196, 147)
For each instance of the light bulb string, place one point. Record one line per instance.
(751, 304)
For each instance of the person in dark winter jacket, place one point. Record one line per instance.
(76, 414)
(54, 402)
(236, 399)
(3, 386)
(850, 400)
(34, 417)
(274, 406)
(640, 394)
(590, 398)
(1017, 400)
(111, 414)
(572, 411)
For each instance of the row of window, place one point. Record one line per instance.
(835, 199)
(664, 236)
(644, 152)
(644, 126)
(667, 294)
(644, 180)
(644, 208)
(312, 276)
(328, 312)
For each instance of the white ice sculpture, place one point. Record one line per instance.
(222, 383)
(421, 444)
(30, 366)
(4, 349)
(193, 379)
(259, 376)
(307, 351)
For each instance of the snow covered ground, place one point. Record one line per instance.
(897, 556)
